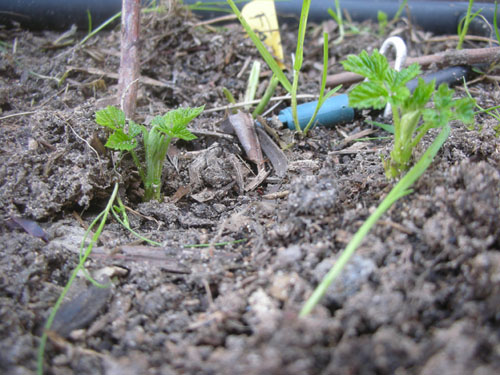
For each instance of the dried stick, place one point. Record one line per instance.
(447, 58)
(129, 61)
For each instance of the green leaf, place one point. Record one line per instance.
(121, 141)
(399, 95)
(386, 127)
(421, 95)
(179, 116)
(464, 110)
(368, 95)
(134, 129)
(443, 97)
(181, 132)
(373, 67)
(404, 76)
(174, 123)
(110, 117)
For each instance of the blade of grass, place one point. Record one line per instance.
(102, 26)
(401, 189)
(253, 82)
(495, 22)
(299, 58)
(386, 127)
(322, 96)
(266, 97)
(337, 16)
(463, 25)
(103, 217)
(399, 11)
(127, 227)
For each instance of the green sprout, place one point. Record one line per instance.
(463, 25)
(495, 23)
(156, 141)
(382, 22)
(412, 117)
(337, 16)
(383, 18)
(101, 220)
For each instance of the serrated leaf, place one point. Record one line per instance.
(183, 133)
(182, 116)
(121, 141)
(421, 95)
(174, 123)
(368, 95)
(443, 97)
(373, 67)
(399, 95)
(134, 129)
(404, 76)
(110, 117)
(464, 110)
(388, 128)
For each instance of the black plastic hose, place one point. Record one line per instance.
(439, 17)
(58, 14)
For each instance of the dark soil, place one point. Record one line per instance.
(420, 296)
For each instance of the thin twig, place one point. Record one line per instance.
(242, 104)
(17, 114)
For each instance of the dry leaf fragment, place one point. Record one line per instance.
(275, 155)
(243, 125)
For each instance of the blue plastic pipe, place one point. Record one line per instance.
(335, 110)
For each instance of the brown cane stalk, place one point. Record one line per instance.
(129, 61)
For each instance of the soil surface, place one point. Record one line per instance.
(420, 296)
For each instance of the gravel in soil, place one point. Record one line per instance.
(420, 296)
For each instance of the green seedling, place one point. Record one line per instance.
(253, 82)
(412, 117)
(463, 25)
(106, 23)
(383, 22)
(152, 8)
(271, 87)
(156, 141)
(337, 16)
(383, 18)
(495, 22)
(101, 219)
(491, 111)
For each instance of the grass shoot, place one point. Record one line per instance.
(463, 25)
(337, 16)
(101, 219)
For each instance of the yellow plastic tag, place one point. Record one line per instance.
(261, 16)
